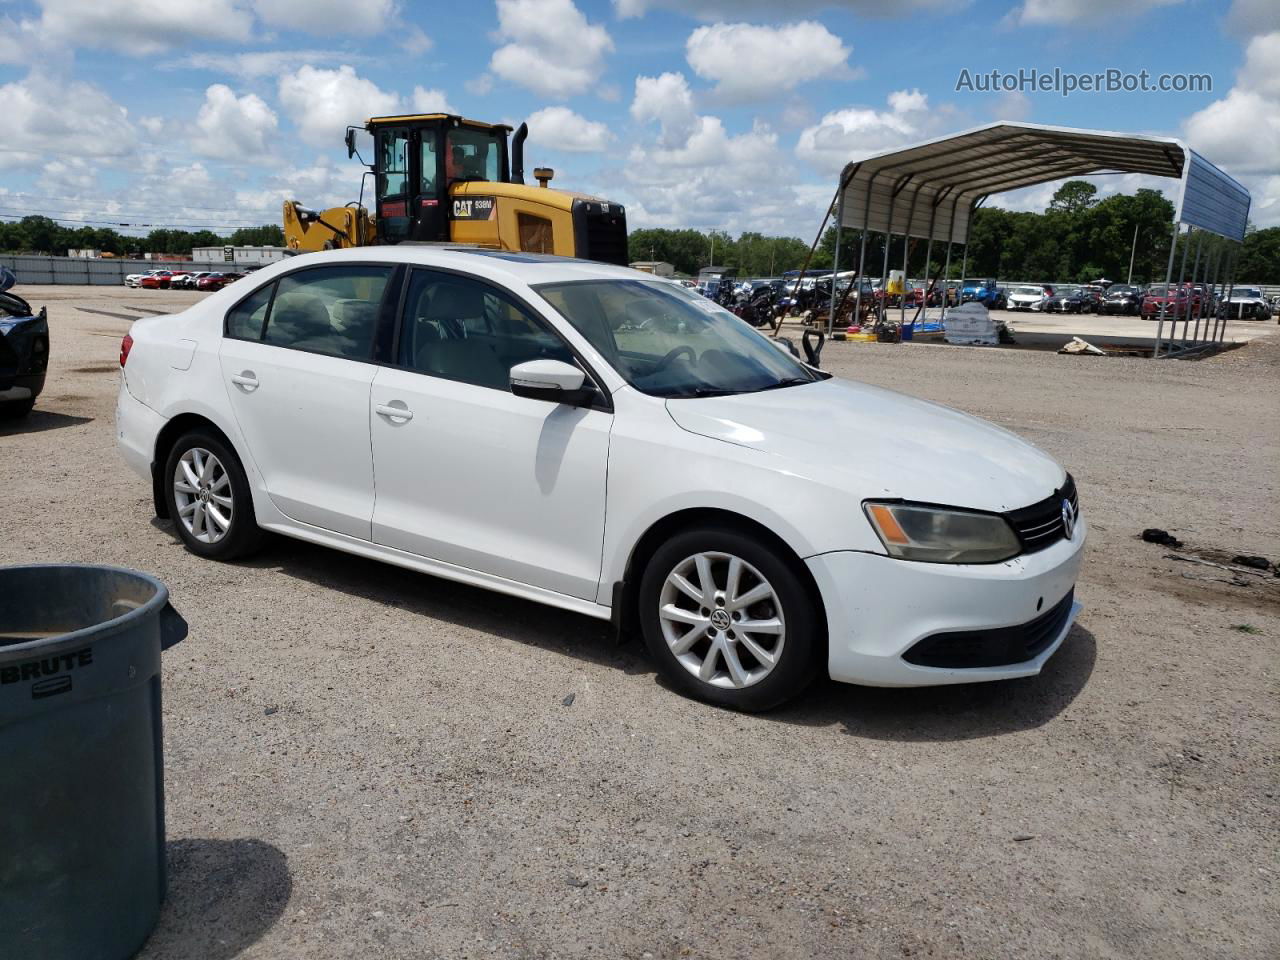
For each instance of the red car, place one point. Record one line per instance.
(155, 281)
(1174, 301)
(216, 281)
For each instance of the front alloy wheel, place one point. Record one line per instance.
(729, 617)
(722, 621)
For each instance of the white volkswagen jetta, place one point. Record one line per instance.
(593, 438)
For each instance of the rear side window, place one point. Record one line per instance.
(247, 318)
(329, 310)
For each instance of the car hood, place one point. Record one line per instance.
(873, 442)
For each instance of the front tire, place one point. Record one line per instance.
(728, 620)
(209, 498)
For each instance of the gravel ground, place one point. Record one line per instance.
(367, 762)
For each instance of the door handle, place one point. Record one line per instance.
(394, 411)
(246, 379)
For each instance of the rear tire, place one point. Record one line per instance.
(723, 646)
(209, 499)
(16, 409)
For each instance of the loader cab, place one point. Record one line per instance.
(417, 159)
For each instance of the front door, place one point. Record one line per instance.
(296, 365)
(467, 472)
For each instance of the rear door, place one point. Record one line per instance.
(296, 364)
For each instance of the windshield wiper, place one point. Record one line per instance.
(786, 382)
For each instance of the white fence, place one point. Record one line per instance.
(30, 269)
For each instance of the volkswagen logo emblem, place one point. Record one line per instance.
(720, 620)
(1068, 519)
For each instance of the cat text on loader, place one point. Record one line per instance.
(442, 179)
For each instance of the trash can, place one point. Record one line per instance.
(81, 771)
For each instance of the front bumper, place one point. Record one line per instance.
(878, 608)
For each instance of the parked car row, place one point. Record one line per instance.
(181, 279)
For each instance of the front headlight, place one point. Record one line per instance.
(937, 535)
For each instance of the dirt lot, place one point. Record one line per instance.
(366, 762)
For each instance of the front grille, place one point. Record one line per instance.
(1003, 646)
(1039, 526)
(601, 231)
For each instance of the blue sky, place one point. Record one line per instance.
(733, 114)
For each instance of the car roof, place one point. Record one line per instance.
(502, 265)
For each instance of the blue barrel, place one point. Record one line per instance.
(82, 865)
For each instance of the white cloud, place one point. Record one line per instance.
(668, 100)
(11, 46)
(142, 26)
(747, 62)
(550, 47)
(426, 100)
(1083, 11)
(696, 173)
(322, 102)
(68, 175)
(415, 42)
(337, 17)
(262, 63)
(768, 9)
(1252, 17)
(1011, 105)
(854, 132)
(87, 123)
(1241, 132)
(559, 128)
(233, 128)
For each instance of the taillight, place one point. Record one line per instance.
(125, 346)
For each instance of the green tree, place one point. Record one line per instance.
(1074, 196)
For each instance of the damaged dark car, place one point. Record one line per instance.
(24, 350)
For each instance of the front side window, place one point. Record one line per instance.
(329, 310)
(458, 328)
(668, 341)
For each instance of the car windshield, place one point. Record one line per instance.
(668, 342)
(1029, 291)
(1248, 293)
(1120, 291)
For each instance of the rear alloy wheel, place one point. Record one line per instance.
(728, 621)
(209, 498)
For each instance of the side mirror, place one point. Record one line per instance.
(351, 142)
(552, 380)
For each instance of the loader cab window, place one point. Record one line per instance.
(393, 215)
(394, 153)
(427, 175)
(475, 154)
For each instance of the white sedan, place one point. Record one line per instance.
(593, 438)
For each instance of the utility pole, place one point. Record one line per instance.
(713, 249)
(1133, 251)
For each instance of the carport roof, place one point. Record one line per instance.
(929, 189)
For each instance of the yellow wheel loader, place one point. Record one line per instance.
(439, 178)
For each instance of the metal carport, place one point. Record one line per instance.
(930, 190)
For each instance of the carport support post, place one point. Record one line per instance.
(1168, 278)
(906, 252)
(835, 261)
(1231, 289)
(862, 259)
(928, 255)
(1211, 287)
(1193, 304)
(946, 271)
(1182, 275)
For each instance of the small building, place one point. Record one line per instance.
(238, 256)
(659, 268)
